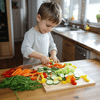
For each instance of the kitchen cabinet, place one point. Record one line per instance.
(6, 27)
(68, 50)
(58, 39)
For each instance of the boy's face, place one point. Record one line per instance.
(45, 26)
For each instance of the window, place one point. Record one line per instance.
(66, 9)
(93, 8)
(75, 8)
(72, 8)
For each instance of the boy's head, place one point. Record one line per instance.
(51, 11)
(49, 15)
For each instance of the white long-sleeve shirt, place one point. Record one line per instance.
(35, 41)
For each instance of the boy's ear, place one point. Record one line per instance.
(38, 17)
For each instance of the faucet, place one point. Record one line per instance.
(64, 21)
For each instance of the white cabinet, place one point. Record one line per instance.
(59, 42)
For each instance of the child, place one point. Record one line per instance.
(38, 42)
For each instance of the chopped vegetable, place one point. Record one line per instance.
(85, 78)
(51, 62)
(41, 78)
(34, 77)
(16, 72)
(8, 72)
(57, 78)
(20, 83)
(64, 82)
(34, 71)
(49, 82)
(56, 82)
(45, 75)
(66, 70)
(77, 77)
(25, 71)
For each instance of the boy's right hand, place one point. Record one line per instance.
(45, 60)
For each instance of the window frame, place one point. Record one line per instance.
(96, 24)
(71, 12)
(82, 14)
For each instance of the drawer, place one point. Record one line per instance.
(68, 53)
(68, 42)
(68, 46)
(68, 56)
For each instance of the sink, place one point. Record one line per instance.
(65, 29)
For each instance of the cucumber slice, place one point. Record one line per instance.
(53, 76)
(49, 82)
(62, 75)
(56, 82)
(77, 77)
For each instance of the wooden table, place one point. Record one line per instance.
(89, 67)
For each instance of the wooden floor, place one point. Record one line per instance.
(15, 61)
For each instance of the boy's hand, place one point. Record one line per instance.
(55, 59)
(45, 60)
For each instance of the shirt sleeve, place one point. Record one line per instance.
(52, 45)
(27, 44)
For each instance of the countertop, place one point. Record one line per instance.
(89, 40)
(89, 67)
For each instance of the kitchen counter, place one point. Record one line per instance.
(88, 40)
(89, 67)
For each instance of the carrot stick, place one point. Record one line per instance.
(16, 72)
(25, 71)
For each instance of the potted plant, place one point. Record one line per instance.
(98, 16)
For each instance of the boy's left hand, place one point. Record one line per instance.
(55, 59)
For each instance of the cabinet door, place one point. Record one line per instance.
(58, 41)
(7, 47)
(68, 50)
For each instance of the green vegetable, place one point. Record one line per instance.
(77, 77)
(65, 70)
(56, 82)
(16, 95)
(47, 70)
(20, 83)
(49, 82)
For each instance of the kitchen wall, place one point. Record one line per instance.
(24, 16)
(19, 17)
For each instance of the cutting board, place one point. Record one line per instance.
(61, 86)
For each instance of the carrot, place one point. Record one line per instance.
(50, 74)
(27, 74)
(16, 72)
(50, 66)
(25, 71)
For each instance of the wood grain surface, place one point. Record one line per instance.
(60, 86)
(89, 67)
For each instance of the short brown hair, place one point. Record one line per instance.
(51, 11)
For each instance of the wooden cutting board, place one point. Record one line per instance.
(60, 86)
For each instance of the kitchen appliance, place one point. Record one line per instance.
(81, 53)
